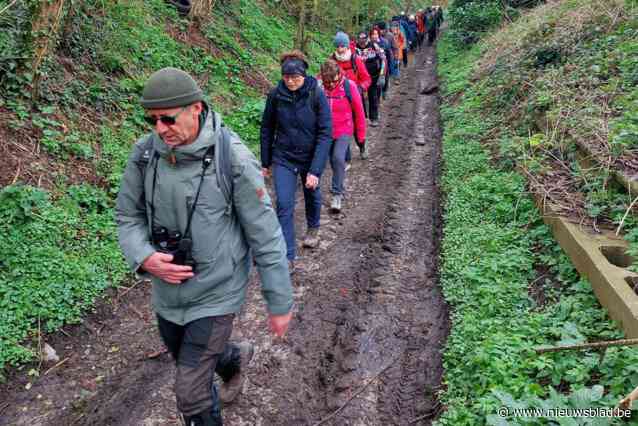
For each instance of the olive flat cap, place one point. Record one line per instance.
(170, 88)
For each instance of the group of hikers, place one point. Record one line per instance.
(302, 127)
(194, 214)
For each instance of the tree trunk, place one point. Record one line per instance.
(301, 27)
(201, 9)
(44, 31)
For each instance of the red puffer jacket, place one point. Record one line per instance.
(358, 74)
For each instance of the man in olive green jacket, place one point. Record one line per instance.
(170, 199)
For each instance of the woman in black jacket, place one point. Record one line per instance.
(296, 133)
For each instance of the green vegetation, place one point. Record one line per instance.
(60, 252)
(471, 19)
(510, 287)
(528, 99)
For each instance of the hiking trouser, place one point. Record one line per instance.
(285, 180)
(431, 36)
(405, 58)
(338, 163)
(200, 348)
(373, 99)
(386, 86)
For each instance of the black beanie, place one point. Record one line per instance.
(292, 66)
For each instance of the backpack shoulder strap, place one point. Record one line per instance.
(354, 63)
(224, 167)
(346, 87)
(146, 154)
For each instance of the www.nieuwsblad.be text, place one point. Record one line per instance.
(592, 412)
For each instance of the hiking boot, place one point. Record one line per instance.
(229, 390)
(335, 205)
(311, 239)
(363, 152)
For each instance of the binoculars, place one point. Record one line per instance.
(172, 242)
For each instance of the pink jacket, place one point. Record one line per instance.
(342, 120)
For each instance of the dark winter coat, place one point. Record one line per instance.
(296, 128)
(412, 31)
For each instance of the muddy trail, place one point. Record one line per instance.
(370, 322)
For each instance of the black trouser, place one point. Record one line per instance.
(200, 348)
(386, 86)
(405, 58)
(431, 36)
(373, 99)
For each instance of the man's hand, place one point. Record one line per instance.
(159, 265)
(279, 323)
(265, 172)
(312, 181)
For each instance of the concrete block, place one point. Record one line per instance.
(602, 259)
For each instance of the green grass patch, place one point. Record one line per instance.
(494, 243)
(59, 254)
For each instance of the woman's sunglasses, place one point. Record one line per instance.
(167, 120)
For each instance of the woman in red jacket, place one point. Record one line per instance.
(348, 123)
(352, 65)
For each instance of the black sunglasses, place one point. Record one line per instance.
(167, 120)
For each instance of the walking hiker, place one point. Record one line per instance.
(348, 123)
(191, 226)
(398, 48)
(431, 26)
(420, 24)
(386, 45)
(296, 132)
(350, 63)
(412, 38)
(374, 59)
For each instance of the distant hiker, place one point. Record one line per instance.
(348, 123)
(380, 33)
(399, 48)
(350, 63)
(412, 37)
(296, 132)
(431, 24)
(420, 25)
(192, 213)
(438, 18)
(374, 59)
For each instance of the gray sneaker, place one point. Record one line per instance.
(311, 239)
(335, 206)
(229, 390)
(364, 152)
(374, 123)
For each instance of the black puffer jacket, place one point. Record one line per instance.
(296, 128)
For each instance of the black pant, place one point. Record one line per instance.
(405, 58)
(200, 348)
(431, 36)
(373, 99)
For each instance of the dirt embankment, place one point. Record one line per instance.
(370, 322)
